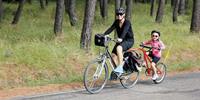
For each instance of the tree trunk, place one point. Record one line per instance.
(129, 7)
(181, 9)
(173, 3)
(122, 3)
(157, 1)
(144, 1)
(166, 1)
(1, 10)
(8, 1)
(186, 4)
(104, 8)
(195, 23)
(59, 18)
(175, 11)
(18, 12)
(117, 4)
(160, 11)
(70, 6)
(42, 4)
(87, 25)
(30, 1)
(152, 7)
(46, 2)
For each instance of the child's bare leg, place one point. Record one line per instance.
(155, 76)
(154, 67)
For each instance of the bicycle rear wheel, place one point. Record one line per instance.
(129, 79)
(95, 76)
(161, 71)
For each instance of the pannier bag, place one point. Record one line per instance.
(99, 40)
(130, 64)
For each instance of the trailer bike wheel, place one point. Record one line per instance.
(161, 71)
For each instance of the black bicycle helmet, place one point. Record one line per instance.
(154, 31)
(120, 11)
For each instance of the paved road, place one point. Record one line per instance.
(178, 87)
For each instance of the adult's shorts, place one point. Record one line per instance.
(125, 45)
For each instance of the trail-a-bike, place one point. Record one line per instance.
(101, 69)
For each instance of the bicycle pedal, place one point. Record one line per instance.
(113, 76)
(123, 77)
(118, 74)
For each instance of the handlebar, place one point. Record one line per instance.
(108, 39)
(143, 46)
(103, 40)
(148, 47)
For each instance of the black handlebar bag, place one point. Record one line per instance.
(99, 40)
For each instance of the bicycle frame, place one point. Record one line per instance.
(106, 55)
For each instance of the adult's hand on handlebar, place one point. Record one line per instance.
(107, 38)
(119, 40)
(106, 35)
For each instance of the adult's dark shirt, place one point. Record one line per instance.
(125, 32)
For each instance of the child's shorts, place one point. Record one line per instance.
(154, 58)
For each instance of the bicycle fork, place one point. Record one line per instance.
(99, 69)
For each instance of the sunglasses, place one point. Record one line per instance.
(119, 14)
(154, 35)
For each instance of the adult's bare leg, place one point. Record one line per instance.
(115, 59)
(120, 54)
(119, 68)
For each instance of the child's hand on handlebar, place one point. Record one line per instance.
(141, 44)
(156, 48)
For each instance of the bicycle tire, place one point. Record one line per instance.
(162, 73)
(129, 79)
(97, 82)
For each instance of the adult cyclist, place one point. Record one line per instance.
(125, 38)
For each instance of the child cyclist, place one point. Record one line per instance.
(157, 45)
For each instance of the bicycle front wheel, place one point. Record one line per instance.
(161, 71)
(95, 76)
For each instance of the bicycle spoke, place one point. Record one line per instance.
(130, 79)
(92, 84)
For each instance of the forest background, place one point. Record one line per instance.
(34, 51)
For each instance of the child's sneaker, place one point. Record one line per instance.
(155, 76)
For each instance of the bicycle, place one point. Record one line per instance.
(145, 61)
(96, 73)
